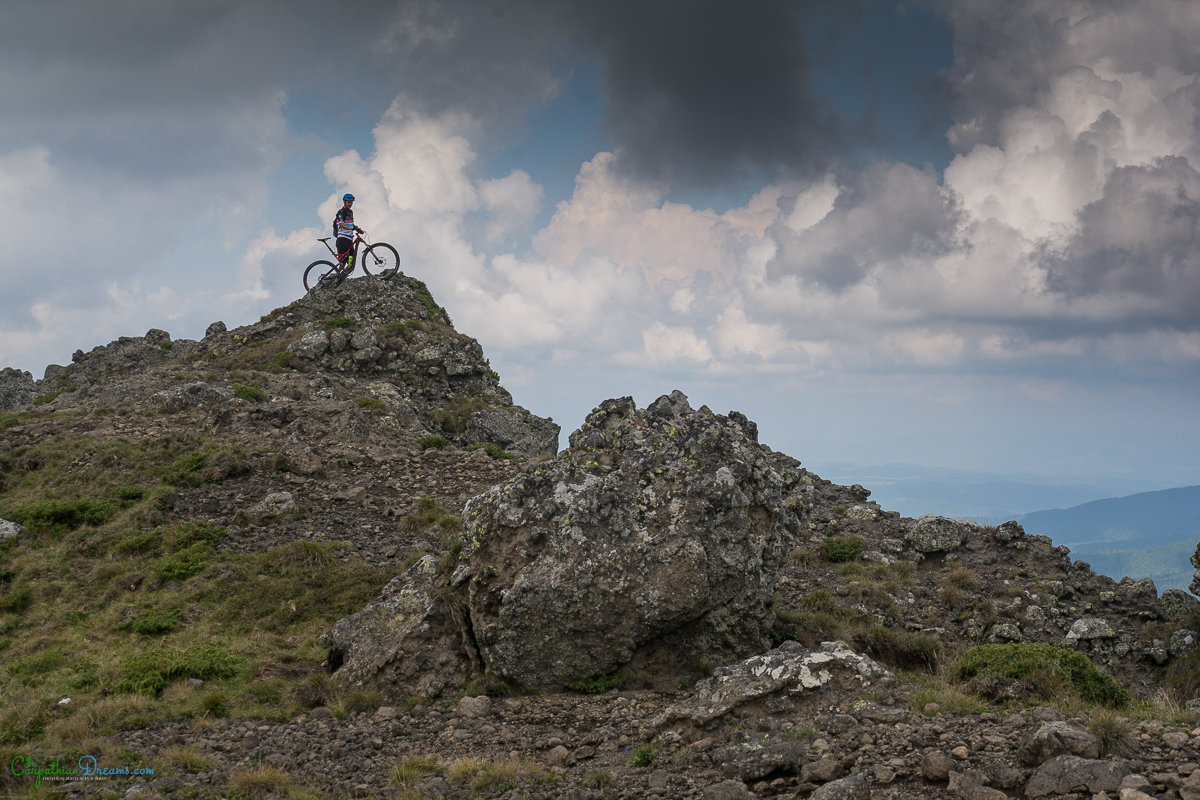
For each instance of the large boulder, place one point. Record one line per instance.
(1074, 775)
(932, 534)
(1055, 739)
(654, 543)
(17, 388)
(1177, 605)
(515, 430)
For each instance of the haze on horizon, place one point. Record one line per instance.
(962, 235)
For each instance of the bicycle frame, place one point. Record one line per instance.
(351, 253)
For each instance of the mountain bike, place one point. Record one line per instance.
(377, 259)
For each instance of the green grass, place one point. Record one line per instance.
(333, 323)
(155, 623)
(493, 450)
(597, 685)
(436, 312)
(1045, 665)
(432, 440)
(249, 392)
(842, 549)
(51, 396)
(373, 404)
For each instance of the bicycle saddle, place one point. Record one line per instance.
(326, 239)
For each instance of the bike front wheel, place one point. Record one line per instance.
(320, 273)
(380, 259)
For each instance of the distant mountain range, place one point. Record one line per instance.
(1146, 534)
(914, 490)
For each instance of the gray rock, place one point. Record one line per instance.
(822, 771)
(156, 336)
(17, 388)
(1176, 605)
(368, 355)
(339, 340)
(364, 337)
(932, 534)
(1089, 628)
(1183, 642)
(298, 458)
(10, 530)
(516, 431)
(1008, 532)
(272, 507)
(475, 707)
(1055, 739)
(791, 672)
(190, 396)
(757, 759)
(558, 756)
(1004, 632)
(406, 642)
(1070, 774)
(853, 788)
(728, 790)
(214, 329)
(1194, 586)
(1157, 652)
(52, 370)
(310, 345)
(936, 766)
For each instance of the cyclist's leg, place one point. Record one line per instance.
(343, 247)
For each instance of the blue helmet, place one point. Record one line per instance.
(349, 197)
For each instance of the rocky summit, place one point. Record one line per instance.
(326, 555)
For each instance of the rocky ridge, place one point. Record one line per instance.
(351, 381)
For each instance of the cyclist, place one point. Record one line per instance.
(344, 229)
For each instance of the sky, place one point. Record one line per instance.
(959, 235)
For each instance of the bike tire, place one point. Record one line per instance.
(380, 259)
(319, 273)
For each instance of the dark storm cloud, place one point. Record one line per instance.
(704, 90)
(1141, 238)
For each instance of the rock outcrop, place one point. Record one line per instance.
(16, 388)
(654, 543)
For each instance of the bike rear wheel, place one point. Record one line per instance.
(320, 273)
(380, 259)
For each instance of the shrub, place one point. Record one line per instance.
(597, 685)
(493, 450)
(16, 601)
(1040, 664)
(414, 767)
(432, 440)
(65, 515)
(428, 514)
(804, 557)
(149, 673)
(962, 578)
(370, 404)
(338, 322)
(819, 600)
(1112, 729)
(841, 549)
(456, 418)
(138, 543)
(155, 623)
(436, 312)
(902, 649)
(249, 392)
(283, 359)
(184, 564)
(182, 535)
(642, 755)
(261, 781)
(51, 396)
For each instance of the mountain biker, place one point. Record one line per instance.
(344, 229)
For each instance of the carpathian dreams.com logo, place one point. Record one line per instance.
(88, 769)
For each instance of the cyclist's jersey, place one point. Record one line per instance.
(343, 223)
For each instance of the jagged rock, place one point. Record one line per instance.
(53, 370)
(157, 336)
(17, 388)
(1069, 774)
(1157, 652)
(1183, 642)
(193, 394)
(364, 337)
(932, 534)
(1055, 739)
(655, 539)
(311, 345)
(215, 329)
(755, 760)
(775, 682)
(1139, 591)
(272, 507)
(853, 788)
(519, 433)
(406, 642)
(1088, 628)
(1176, 605)
(10, 530)
(1008, 532)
